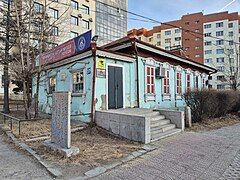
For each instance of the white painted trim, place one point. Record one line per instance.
(123, 72)
(174, 57)
(114, 56)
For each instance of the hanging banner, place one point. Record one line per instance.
(67, 49)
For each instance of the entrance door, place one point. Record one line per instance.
(115, 87)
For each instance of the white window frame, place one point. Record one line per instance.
(79, 81)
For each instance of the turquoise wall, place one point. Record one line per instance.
(81, 103)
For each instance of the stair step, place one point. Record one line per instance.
(159, 136)
(151, 114)
(161, 129)
(160, 122)
(157, 118)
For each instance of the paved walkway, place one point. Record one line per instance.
(208, 155)
(15, 164)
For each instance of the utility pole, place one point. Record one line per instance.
(5, 68)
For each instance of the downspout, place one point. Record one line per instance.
(137, 71)
(94, 49)
(175, 87)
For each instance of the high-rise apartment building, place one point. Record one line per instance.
(69, 18)
(212, 39)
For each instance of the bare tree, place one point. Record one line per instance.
(31, 35)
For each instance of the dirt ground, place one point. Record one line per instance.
(215, 123)
(96, 148)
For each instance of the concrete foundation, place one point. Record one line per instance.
(65, 152)
(133, 127)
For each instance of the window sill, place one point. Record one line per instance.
(150, 97)
(179, 97)
(166, 97)
(78, 94)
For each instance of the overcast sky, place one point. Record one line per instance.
(167, 10)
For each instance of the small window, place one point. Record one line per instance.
(230, 34)
(208, 43)
(177, 31)
(74, 34)
(167, 33)
(55, 31)
(231, 42)
(78, 82)
(159, 36)
(208, 60)
(179, 83)
(207, 34)
(53, 13)
(74, 4)
(150, 87)
(207, 26)
(188, 82)
(74, 20)
(208, 52)
(85, 24)
(220, 51)
(220, 78)
(177, 38)
(220, 68)
(220, 42)
(197, 55)
(85, 9)
(220, 60)
(220, 86)
(196, 82)
(219, 33)
(38, 8)
(219, 24)
(158, 43)
(168, 40)
(230, 25)
(52, 85)
(166, 85)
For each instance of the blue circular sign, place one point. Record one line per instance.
(81, 43)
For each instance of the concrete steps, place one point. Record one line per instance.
(159, 136)
(160, 127)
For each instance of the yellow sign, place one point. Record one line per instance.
(101, 63)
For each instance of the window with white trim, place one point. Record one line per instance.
(196, 82)
(52, 85)
(179, 83)
(188, 80)
(150, 76)
(78, 81)
(166, 84)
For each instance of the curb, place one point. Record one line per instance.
(102, 169)
(55, 172)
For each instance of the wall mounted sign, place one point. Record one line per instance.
(67, 49)
(101, 73)
(101, 63)
(88, 71)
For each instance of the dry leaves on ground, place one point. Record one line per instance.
(215, 123)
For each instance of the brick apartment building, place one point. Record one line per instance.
(211, 39)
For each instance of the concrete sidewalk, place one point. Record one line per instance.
(15, 164)
(206, 155)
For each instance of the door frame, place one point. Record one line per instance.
(123, 79)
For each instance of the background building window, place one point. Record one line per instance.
(85, 9)
(196, 82)
(53, 13)
(85, 24)
(74, 20)
(219, 33)
(207, 26)
(38, 8)
(74, 4)
(78, 82)
(55, 31)
(150, 79)
(219, 24)
(74, 34)
(167, 33)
